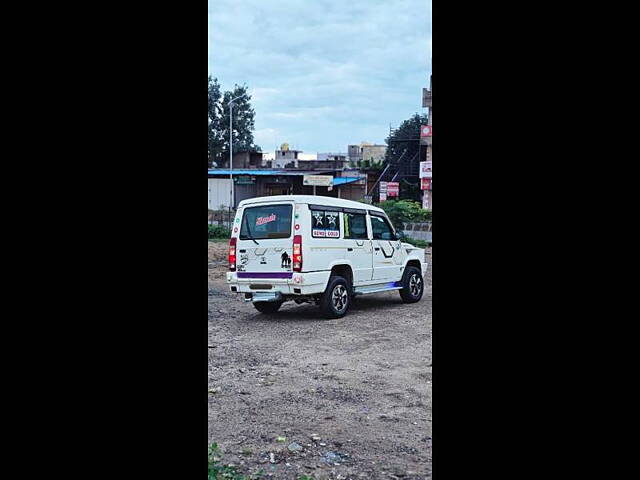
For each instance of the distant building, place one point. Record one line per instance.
(374, 153)
(286, 158)
(366, 151)
(244, 160)
(355, 155)
(332, 156)
(250, 183)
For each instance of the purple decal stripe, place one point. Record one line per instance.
(265, 274)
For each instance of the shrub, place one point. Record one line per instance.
(415, 242)
(219, 231)
(405, 211)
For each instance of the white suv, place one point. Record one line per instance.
(318, 249)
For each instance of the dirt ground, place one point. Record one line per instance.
(294, 394)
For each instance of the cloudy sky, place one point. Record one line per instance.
(323, 73)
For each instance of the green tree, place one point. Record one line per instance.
(243, 122)
(214, 113)
(405, 139)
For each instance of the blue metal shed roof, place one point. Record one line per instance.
(251, 171)
(245, 172)
(337, 181)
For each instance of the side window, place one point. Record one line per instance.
(355, 226)
(325, 224)
(381, 229)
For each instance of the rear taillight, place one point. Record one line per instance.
(297, 253)
(232, 253)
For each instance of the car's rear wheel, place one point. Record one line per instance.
(336, 299)
(267, 307)
(413, 285)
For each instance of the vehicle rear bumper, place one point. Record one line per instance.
(308, 283)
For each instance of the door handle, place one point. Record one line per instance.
(349, 249)
(377, 248)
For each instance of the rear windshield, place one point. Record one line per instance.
(268, 221)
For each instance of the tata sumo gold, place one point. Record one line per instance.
(320, 250)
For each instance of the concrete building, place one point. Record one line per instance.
(366, 151)
(374, 153)
(288, 158)
(354, 153)
(244, 160)
(336, 161)
(285, 157)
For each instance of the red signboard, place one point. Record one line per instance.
(425, 131)
(393, 189)
(425, 183)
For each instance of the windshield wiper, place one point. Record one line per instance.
(246, 222)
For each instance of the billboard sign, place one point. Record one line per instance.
(393, 189)
(244, 180)
(318, 180)
(425, 169)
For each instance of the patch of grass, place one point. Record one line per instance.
(219, 240)
(218, 471)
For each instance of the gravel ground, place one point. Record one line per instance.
(294, 394)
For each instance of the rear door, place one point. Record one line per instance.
(324, 244)
(358, 244)
(265, 241)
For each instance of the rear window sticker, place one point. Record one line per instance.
(325, 224)
(263, 220)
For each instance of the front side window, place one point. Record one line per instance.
(325, 224)
(381, 229)
(268, 221)
(355, 226)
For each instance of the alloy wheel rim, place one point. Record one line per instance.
(339, 298)
(415, 285)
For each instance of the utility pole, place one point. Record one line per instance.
(231, 199)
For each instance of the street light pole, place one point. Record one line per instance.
(231, 199)
(231, 205)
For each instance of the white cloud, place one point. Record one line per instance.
(326, 73)
(265, 137)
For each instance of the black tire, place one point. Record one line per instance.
(336, 299)
(412, 285)
(267, 307)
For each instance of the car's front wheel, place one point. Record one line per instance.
(412, 285)
(267, 307)
(336, 299)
